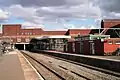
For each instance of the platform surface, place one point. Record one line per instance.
(10, 67)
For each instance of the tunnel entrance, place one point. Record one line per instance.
(19, 46)
(23, 46)
(27, 47)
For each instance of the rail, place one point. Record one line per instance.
(52, 68)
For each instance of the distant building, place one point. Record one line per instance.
(110, 23)
(20, 38)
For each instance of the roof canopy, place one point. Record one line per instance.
(57, 36)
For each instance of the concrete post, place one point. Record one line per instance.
(13, 46)
(24, 47)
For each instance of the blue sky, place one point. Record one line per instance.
(14, 20)
(45, 12)
(83, 22)
(53, 26)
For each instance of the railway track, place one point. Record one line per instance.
(88, 66)
(51, 68)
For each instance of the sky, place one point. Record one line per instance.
(58, 14)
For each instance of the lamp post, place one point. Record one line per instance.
(119, 50)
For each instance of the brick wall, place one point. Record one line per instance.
(11, 30)
(99, 47)
(109, 48)
(109, 23)
(86, 47)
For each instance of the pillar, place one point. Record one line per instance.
(13, 46)
(24, 47)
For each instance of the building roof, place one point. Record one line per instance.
(56, 36)
(79, 31)
(11, 25)
(113, 39)
(111, 20)
(95, 35)
(116, 26)
(54, 32)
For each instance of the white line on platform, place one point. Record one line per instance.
(33, 67)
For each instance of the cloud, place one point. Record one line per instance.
(4, 16)
(109, 5)
(30, 3)
(109, 8)
(55, 11)
(98, 22)
(41, 15)
(29, 25)
(27, 13)
(42, 3)
(83, 27)
(91, 27)
(96, 9)
(72, 12)
(69, 26)
(76, 2)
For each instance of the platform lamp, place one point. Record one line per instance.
(119, 49)
(78, 36)
(11, 43)
(119, 44)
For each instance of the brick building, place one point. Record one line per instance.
(111, 27)
(110, 23)
(21, 37)
(16, 30)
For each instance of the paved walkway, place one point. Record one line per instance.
(10, 67)
(29, 71)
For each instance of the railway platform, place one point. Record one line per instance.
(105, 62)
(54, 65)
(14, 66)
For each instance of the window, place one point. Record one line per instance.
(27, 39)
(110, 42)
(33, 33)
(22, 33)
(26, 33)
(117, 42)
(18, 39)
(95, 38)
(30, 33)
(11, 40)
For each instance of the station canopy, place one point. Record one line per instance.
(55, 37)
